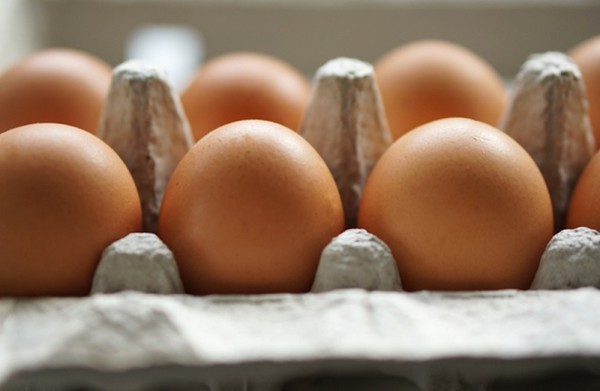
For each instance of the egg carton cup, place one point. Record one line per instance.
(355, 330)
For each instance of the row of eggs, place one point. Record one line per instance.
(419, 82)
(251, 206)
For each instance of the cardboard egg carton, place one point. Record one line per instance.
(355, 330)
(339, 340)
(142, 333)
(129, 338)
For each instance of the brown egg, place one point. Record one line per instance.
(54, 85)
(427, 80)
(587, 57)
(64, 196)
(241, 86)
(584, 206)
(462, 207)
(249, 210)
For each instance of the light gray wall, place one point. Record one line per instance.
(308, 33)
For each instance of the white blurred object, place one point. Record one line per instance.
(22, 24)
(177, 49)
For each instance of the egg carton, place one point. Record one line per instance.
(356, 329)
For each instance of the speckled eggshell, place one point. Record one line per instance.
(64, 196)
(462, 207)
(584, 206)
(248, 210)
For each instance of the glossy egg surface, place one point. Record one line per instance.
(54, 85)
(426, 80)
(249, 210)
(245, 85)
(462, 207)
(64, 196)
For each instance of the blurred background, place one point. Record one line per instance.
(305, 33)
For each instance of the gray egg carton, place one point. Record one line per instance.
(357, 330)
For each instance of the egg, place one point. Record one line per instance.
(584, 205)
(461, 205)
(248, 210)
(54, 85)
(431, 79)
(587, 57)
(244, 85)
(64, 196)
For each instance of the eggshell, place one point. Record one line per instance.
(249, 210)
(587, 57)
(462, 207)
(584, 207)
(427, 80)
(54, 85)
(64, 197)
(243, 85)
